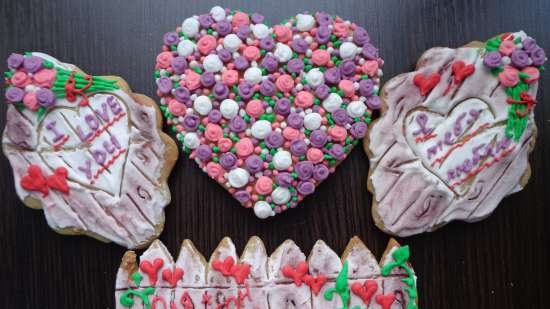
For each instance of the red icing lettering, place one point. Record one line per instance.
(186, 301)
(172, 277)
(297, 274)
(151, 269)
(426, 84)
(365, 291)
(315, 283)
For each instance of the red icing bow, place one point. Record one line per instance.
(71, 91)
(524, 98)
(36, 181)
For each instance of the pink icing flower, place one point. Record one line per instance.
(224, 144)
(164, 60)
(254, 108)
(244, 147)
(338, 133)
(206, 44)
(347, 87)
(176, 108)
(285, 83)
(320, 57)
(533, 73)
(20, 79)
(315, 155)
(239, 19)
(291, 133)
(44, 78)
(370, 67)
(340, 29)
(509, 77)
(30, 101)
(230, 77)
(213, 132)
(252, 53)
(507, 47)
(264, 185)
(214, 170)
(192, 80)
(282, 33)
(304, 99)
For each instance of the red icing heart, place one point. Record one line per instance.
(35, 180)
(297, 274)
(461, 71)
(58, 181)
(366, 290)
(315, 283)
(239, 271)
(225, 266)
(151, 269)
(385, 300)
(172, 277)
(426, 84)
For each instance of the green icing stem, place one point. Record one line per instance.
(127, 301)
(341, 287)
(516, 125)
(400, 257)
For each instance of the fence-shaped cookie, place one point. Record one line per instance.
(286, 279)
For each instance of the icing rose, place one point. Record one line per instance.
(366, 87)
(340, 29)
(191, 122)
(360, 36)
(520, 59)
(254, 108)
(228, 160)
(192, 80)
(45, 97)
(244, 147)
(529, 44)
(305, 187)
(224, 27)
(237, 124)
(214, 116)
(207, 79)
(179, 64)
(492, 60)
(538, 56)
(533, 73)
(264, 185)
(347, 68)
(315, 155)
(282, 107)
(14, 94)
(304, 169)
(20, 79)
(337, 151)
(284, 180)
(347, 87)
(213, 132)
(267, 88)
(230, 77)
(332, 76)
(320, 172)
(245, 90)
(370, 52)
(252, 53)
(340, 116)
(15, 61)
(164, 60)
(304, 99)
(176, 108)
(164, 84)
(205, 20)
(171, 38)
(225, 144)
(509, 76)
(323, 18)
(214, 170)
(206, 44)
(242, 196)
(295, 65)
(322, 35)
(253, 163)
(318, 138)
(322, 92)
(181, 94)
(204, 153)
(299, 45)
(32, 64)
(274, 140)
(320, 57)
(298, 147)
(282, 33)
(285, 83)
(45, 78)
(370, 67)
(240, 19)
(220, 91)
(373, 102)
(358, 129)
(270, 63)
(267, 43)
(224, 55)
(338, 133)
(295, 120)
(507, 47)
(291, 133)
(243, 31)
(30, 101)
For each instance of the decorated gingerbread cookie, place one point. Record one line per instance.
(86, 150)
(455, 135)
(286, 279)
(268, 112)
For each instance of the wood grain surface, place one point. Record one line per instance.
(501, 262)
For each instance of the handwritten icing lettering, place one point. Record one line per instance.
(58, 135)
(103, 112)
(87, 169)
(422, 121)
(100, 155)
(113, 104)
(83, 136)
(92, 122)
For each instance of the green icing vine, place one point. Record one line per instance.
(126, 298)
(400, 258)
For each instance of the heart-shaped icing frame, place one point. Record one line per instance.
(268, 112)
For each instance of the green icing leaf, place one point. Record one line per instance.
(493, 44)
(40, 113)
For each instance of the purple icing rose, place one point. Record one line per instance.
(237, 124)
(204, 152)
(191, 122)
(224, 27)
(538, 56)
(207, 79)
(337, 152)
(164, 84)
(322, 35)
(267, 88)
(529, 44)
(320, 172)
(228, 160)
(241, 63)
(206, 21)
(45, 97)
(299, 45)
(243, 31)
(341, 117)
(245, 90)
(242, 196)
(373, 102)
(181, 94)
(282, 107)
(14, 94)
(318, 138)
(492, 60)
(295, 65)
(15, 61)
(360, 36)
(32, 64)
(214, 116)
(332, 76)
(295, 120)
(366, 87)
(274, 140)
(305, 187)
(171, 38)
(179, 64)
(253, 164)
(323, 19)
(370, 52)
(267, 43)
(347, 68)
(298, 147)
(322, 91)
(304, 169)
(224, 55)
(220, 91)
(284, 180)
(358, 129)
(257, 18)
(270, 63)
(520, 59)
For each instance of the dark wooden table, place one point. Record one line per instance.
(501, 262)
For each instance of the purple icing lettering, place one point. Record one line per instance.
(477, 156)
(91, 121)
(489, 151)
(504, 143)
(110, 147)
(103, 112)
(87, 169)
(422, 120)
(451, 174)
(83, 136)
(474, 113)
(51, 127)
(99, 156)
(457, 128)
(448, 138)
(113, 104)
(433, 150)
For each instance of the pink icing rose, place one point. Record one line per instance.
(252, 53)
(315, 155)
(264, 185)
(239, 19)
(206, 44)
(20, 79)
(285, 83)
(320, 57)
(224, 144)
(45, 78)
(164, 60)
(176, 108)
(214, 170)
(282, 33)
(230, 77)
(213, 132)
(291, 133)
(507, 47)
(509, 77)
(370, 67)
(30, 101)
(192, 80)
(340, 29)
(533, 73)
(254, 108)
(347, 87)
(304, 99)
(338, 133)
(244, 147)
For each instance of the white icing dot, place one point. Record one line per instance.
(356, 109)
(282, 160)
(253, 75)
(260, 31)
(312, 121)
(232, 42)
(280, 195)
(263, 210)
(332, 102)
(186, 48)
(202, 105)
(283, 53)
(218, 13)
(238, 177)
(315, 78)
(304, 22)
(190, 27)
(348, 50)
(260, 129)
(191, 140)
(212, 63)
(229, 108)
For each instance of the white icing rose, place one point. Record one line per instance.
(253, 75)
(212, 63)
(190, 27)
(232, 42)
(312, 121)
(332, 102)
(304, 22)
(229, 108)
(260, 129)
(260, 31)
(348, 50)
(315, 78)
(191, 140)
(202, 105)
(283, 53)
(218, 13)
(263, 210)
(280, 195)
(238, 177)
(356, 109)
(282, 160)
(186, 48)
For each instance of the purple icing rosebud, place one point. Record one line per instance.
(242, 196)
(243, 31)
(224, 27)
(228, 160)
(370, 52)
(257, 18)
(14, 94)
(241, 63)
(366, 87)
(320, 172)
(358, 129)
(305, 187)
(224, 55)
(360, 36)
(298, 147)
(207, 79)
(323, 19)
(206, 21)
(332, 76)
(538, 56)
(529, 45)
(274, 140)
(347, 68)
(299, 45)
(284, 180)
(245, 90)
(32, 64)
(337, 152)
(45, 97)
(322, 35)
(220, 91)
(318, 138)
(267, 43)
(179, 64)
(322, 91)
(341, 117)
(164, 84)
(520, 59)
(204, 153)
(191, 122)
(492, 60)
(270, 63)
(181, 94)
(15, 61)
(267, 88)
(282, 107)
(214, 116)
(237, 124)
(373, 102)
(254, 163)
(295, 65)
(295, 120)
(304, 169)
(171, 38)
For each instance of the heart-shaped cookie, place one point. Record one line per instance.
(455, 135)
(268, 112)
(86, 150)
